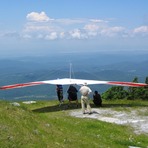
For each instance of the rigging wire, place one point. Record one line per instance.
(72, 75)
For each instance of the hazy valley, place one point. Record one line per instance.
(86, 66)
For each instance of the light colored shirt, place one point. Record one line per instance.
(85, 90)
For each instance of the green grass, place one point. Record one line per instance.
(46, 125)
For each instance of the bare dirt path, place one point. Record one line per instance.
(137, 118)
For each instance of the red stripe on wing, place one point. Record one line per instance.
(20, 85)
(127, 84)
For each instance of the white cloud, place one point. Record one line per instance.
(92, 34)
(78, 34)
(75, 34)
(104, 30)
(69, 21)
(141, 30)
(38, 17)
(98, 21)
(51, 36)
(113, 31)
(37, 28)
(91, 27)
(10, 34)
(74, 29)
(62, 35)
(40, 26)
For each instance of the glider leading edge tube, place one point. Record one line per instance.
(68, 81)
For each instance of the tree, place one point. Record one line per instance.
(145, 93)
(132, 93)
(138, 92)
(146, 80)
(115, 92)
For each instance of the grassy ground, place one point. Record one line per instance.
(46, 125)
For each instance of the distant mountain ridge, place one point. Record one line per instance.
(21, 71)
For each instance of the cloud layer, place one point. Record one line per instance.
(40, 26)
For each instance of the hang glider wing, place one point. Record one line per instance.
(68, 81)
(21, 85)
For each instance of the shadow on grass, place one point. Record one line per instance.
(56, 108)
(73, 106)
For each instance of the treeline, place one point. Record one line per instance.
(130, 93)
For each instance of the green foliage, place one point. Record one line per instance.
(116, 92)
(146, 80)
(132, 93)
(138, 92)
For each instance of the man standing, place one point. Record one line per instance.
(59, 90)
(72, 94)
(85, 91)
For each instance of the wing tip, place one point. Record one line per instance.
(20, 85)
(130, 84)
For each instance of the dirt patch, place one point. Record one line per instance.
(134, 117)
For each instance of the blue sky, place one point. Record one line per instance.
(38, 27)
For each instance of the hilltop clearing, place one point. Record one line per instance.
(45, 124)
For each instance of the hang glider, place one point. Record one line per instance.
(69, 81)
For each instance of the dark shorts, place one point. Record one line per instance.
(72, 97)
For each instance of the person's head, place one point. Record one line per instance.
(59, 86)
(84, 84)
(96, 92)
